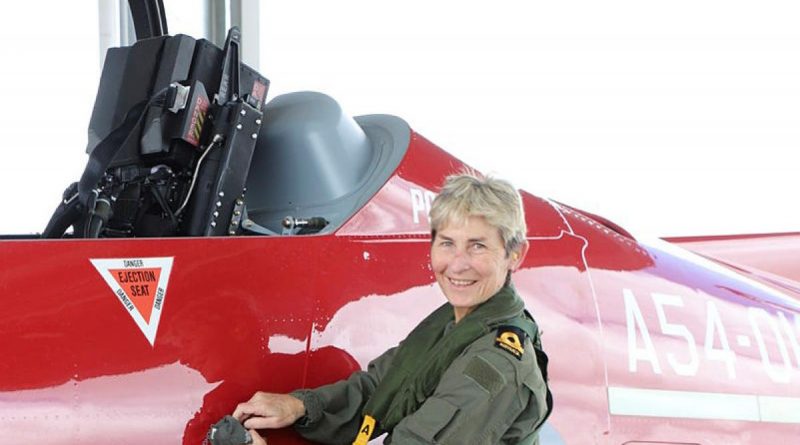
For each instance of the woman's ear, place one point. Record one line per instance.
(519, 255)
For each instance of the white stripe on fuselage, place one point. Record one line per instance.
(702, 405)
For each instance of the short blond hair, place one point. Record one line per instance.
(469, 194)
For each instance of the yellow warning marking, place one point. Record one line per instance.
(365, 432)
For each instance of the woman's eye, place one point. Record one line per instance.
(478, 246)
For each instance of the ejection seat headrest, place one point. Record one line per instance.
(309, 151)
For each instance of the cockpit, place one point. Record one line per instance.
(182, 142)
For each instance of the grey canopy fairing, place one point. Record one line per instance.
(313, 160)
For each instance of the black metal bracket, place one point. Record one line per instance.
(229, 81)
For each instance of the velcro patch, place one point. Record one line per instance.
(485, 374)
(510, 339)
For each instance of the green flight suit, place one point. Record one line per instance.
(486, 396)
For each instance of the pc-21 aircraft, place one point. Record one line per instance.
(219, 244)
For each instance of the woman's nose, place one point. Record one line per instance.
(460, 262)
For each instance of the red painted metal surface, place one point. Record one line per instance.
(773, 257)
(719, 334)
(279, 313)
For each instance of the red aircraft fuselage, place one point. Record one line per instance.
(153, 340)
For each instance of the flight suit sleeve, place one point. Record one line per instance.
(486, 396)
(333, 412)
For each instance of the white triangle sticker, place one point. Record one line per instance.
(140, 284)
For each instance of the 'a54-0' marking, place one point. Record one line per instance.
(715, 345)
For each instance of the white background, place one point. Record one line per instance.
(669, 118)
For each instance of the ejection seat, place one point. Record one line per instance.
(182, 142)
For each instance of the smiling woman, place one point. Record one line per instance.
(473, 371)
(478, 229)
(470, 263)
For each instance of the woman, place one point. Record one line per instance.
(472, 372)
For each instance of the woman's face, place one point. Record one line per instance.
(470, 263)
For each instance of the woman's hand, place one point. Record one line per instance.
(268, 410)
(257, 439)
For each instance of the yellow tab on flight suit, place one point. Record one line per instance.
(365, 432)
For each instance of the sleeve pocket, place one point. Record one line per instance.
(534, 381)
(432, 418)
(538, 404)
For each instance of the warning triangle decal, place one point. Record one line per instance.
(140, 284)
